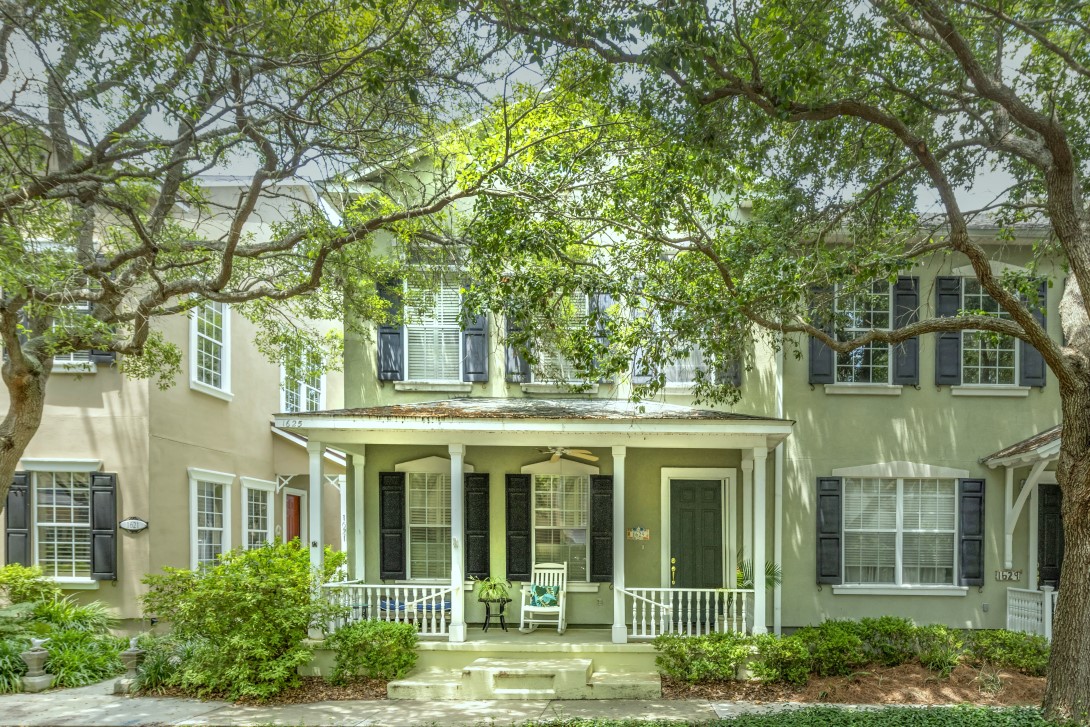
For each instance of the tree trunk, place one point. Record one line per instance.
(1068, 693)
(26, 402)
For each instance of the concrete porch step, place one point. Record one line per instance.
(503, 678)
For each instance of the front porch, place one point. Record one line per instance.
(622, 578)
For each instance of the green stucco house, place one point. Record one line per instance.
(915, 480)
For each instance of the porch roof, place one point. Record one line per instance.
(1041, 446)
(518, 421)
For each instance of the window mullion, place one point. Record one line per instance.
(898, 576)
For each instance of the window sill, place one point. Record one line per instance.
(900, 590)
(545, 388)
(76, 584)
(990, 390)
(210, 390)
(451, 387)
(75, 367)
(678, 389)
(864, 389)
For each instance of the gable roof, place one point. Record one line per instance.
(1044, 445)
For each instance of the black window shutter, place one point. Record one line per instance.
(475, 349)
(906, 310)
(601, 529)
(476, 525)
(1050, 536)
(519, 510)
(104, 526)
(391, 336)
(518, 367)
(822, 358)
(1033, 367)
(830, 530)
(103, 357)
(948, 345)
(17, 520)
(971, 532)
(391, 515)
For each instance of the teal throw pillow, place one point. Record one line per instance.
(544, 595)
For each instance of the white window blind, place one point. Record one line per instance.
(428, 497)
(433, 334)
(62, 516)
(553, 365)
(911, 522)
(561, 514)
(683, 370)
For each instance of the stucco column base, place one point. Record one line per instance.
(620, 634)
(457, 632)
(124, 685)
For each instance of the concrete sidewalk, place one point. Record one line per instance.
(95, 705)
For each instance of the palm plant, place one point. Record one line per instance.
(744, 574)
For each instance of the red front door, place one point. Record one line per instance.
(292, 518)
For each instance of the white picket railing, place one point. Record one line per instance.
(686, 611)
(1031, 611)
(428, 607)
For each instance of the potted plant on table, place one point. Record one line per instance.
(493, 589)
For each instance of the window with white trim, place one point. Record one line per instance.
(857, 312)
(552, 365)
(684, 370)
(433, 332)
(75, 361)
(900, 531)
(986, 357)
(561, 521)
(428, 514)
(209, 515)
(257, 505)
(62, 523)
(302, 385)
(210, 358)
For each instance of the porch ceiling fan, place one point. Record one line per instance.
(559, 452)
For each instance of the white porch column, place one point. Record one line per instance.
(747, 511)
(358, 547)
(1008, 511)
(620, 631)
(457, 535)
(760, 484)
(316, 502)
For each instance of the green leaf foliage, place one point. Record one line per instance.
(939, 648)
(23, 584)
(374, 649)
(65, 614)
(785, 660)
(12, 667)
(960, 716)
(78, 657)
(1027, 653)
(713, 657)
(243, 621)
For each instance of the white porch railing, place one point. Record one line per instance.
(428, 607)
(1031, 611)
(686, 611)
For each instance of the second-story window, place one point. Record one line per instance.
(302, 384)
(683, 370)
(553, 365)
(433, 333)
(857, 312)
(986, 358)
(211, 353)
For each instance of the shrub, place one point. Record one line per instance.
(12, 667)
(889, 641)
(711, 657)
(77, 657)
(20, 584)
(835, 647)
(246, 619)
(161, 666)
(376, 649)
(64, 614)
(939, 648)
(960, 716)
(783, 659)
(1027, 653)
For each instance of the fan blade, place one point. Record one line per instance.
(555, 457)
(588, 456)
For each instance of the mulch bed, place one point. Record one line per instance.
(312, 689)
(906, 684)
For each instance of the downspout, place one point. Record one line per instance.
(777, 534)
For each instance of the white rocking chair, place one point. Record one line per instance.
(545, 574)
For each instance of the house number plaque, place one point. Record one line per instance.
(1008, 575)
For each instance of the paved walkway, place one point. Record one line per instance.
(95, 705)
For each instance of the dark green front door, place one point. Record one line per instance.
(696, 533)
(1050, 535)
